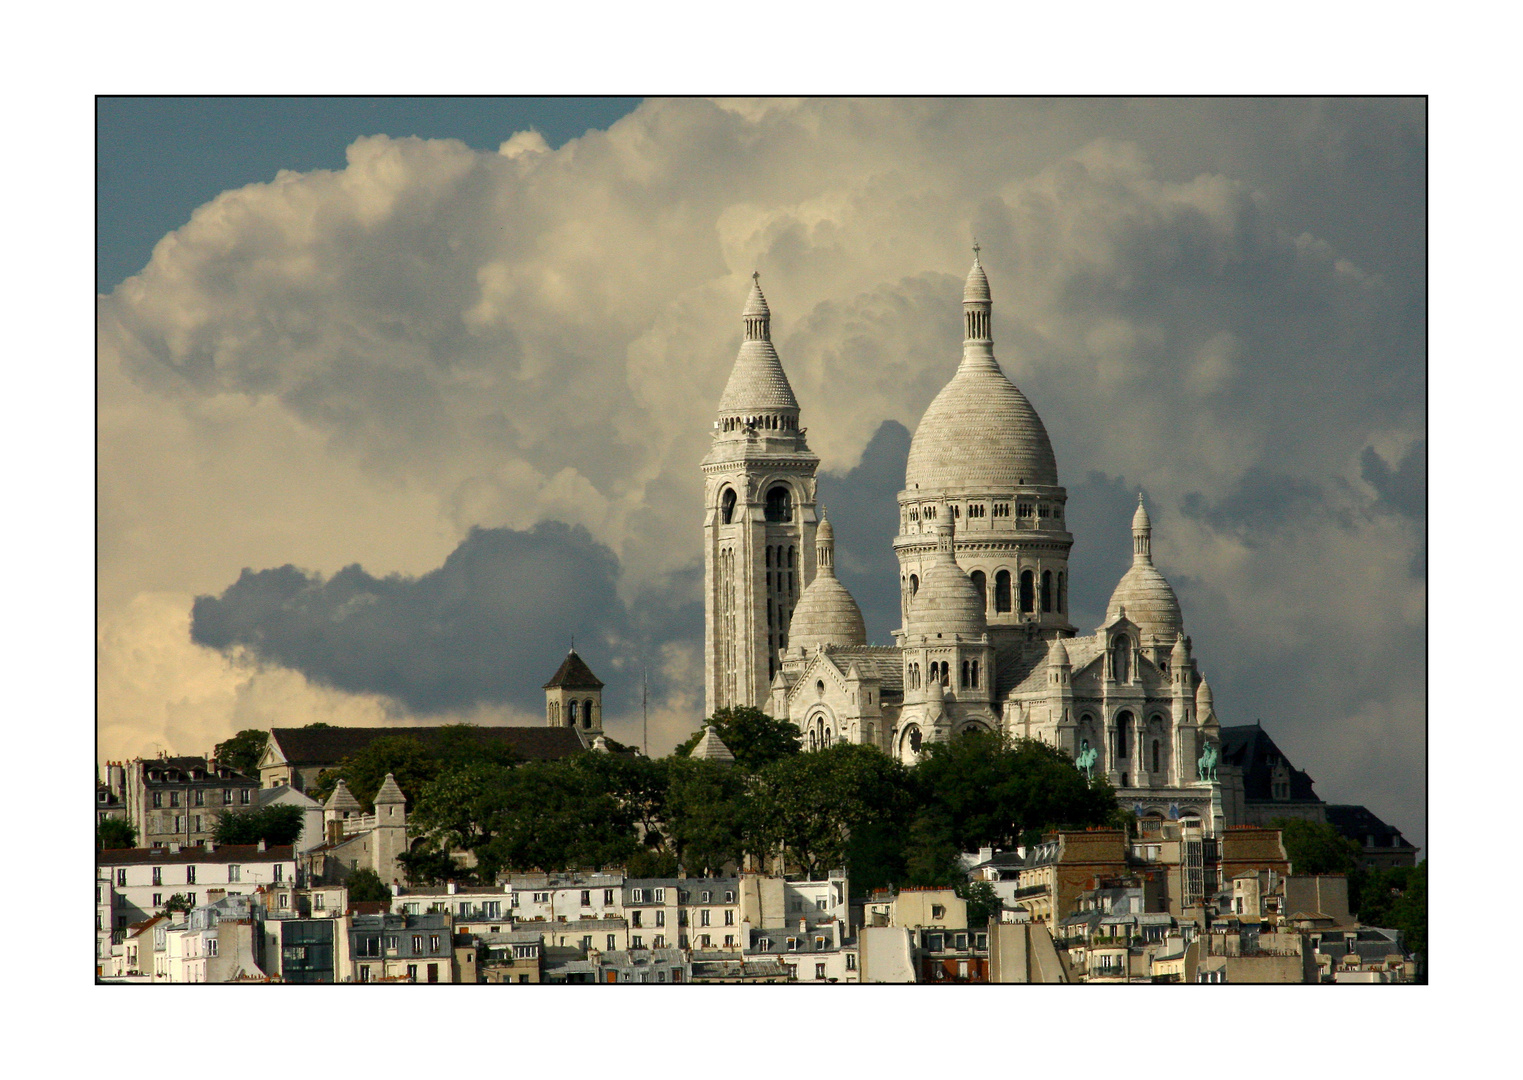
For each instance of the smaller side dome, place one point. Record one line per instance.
(826, 613)
(1140, 519)
(1057, 654)
(976, 289)
(948, 602)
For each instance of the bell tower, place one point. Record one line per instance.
(759, 520)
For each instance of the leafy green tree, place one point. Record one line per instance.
(404, 756)
(813, 804)
(708, 815)
(115, 833)
(930, 853)
(275, 825)
(552, 815)
(1317, 848)
(652, 863)
(1395, 898)
(177, 902)
(983, 903)
(366, 885)
(243, 751)
(995, 790)
(755, 738)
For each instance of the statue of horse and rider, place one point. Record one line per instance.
(1205, 765)
(1088, 755)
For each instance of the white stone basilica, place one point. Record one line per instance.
(986, 641)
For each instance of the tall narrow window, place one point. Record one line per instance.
(779, 504)
(965, 683)
(1028, 591)
(1002, 591)
(1121, 659)
(727, 506)
(1155, 755)
(980, 583)
(1062, 593)
(573, 712)
(1046, 590)
(1123, 721)
(975, 673)
(914, 588)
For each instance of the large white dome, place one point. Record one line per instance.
(980, 432)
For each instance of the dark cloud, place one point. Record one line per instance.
(1404, 489)
(863, 506)
(487, 627)
(1263, 503)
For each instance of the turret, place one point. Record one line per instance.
(390, 838)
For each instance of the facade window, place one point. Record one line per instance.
(819, 971)
(158, 900)
(319, 902)
(433, 943)
(1155, 755)
(634, 918)
(729, 917)
(412, 972)
(190, 875)
(417, 944)
(660, 896)
(729, 941)
(659, 942)
(586, 897)
(706, 896)
(234, 873)
(727, 506)
(158, 799)
(227, 796)
(637, 896)
(660, 918)
(704, 941)
(174, 798)
(851, 961)
(492, 909)
(636, 941)
(1002, 591)
(779, 504)
(121, 877)
(1028, 592)
(158, 875)
(612, 943)
(1046, 590)
(703, 917)
(541, 898)
(200, 797)
(211, 946)
(1062, 593)
(938, 911)
(607, 897)
(243, 796)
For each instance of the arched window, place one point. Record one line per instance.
(1121, 658)
(1155, 755)
(791, 550)
(1002, 591)
(975, 673)
(1123, 722)
(1028, 591)
(965, 683)
(1062, 593)
(946, 674)
(914, 584)
(727, 505)
(1046, 590)
(980, 583)
(573, 712)
(779, 504)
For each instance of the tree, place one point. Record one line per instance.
(1396, 898)
(177, 902)
(1317, 848)
(275, 825)
(997, 790)
(930, 854)
(708, 815)
(404, 756)
(115, 833)
(366, 885)
(983, 903)
(755, 738)
(243, 751)
(814, 804)
(552, 815)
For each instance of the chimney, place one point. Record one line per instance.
(174, 847)
(261, 843)
(450, 888)
(210, 845)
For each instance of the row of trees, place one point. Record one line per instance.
(844, 806)
(1392, 897)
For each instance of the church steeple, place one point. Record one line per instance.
(757, 316)
(977, 304)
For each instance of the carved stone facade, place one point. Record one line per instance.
(986, 641)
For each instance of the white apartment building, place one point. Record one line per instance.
(143, 879)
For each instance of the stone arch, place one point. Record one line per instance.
(727, 506)
(910, 741)
(779, 504)
(1002, 590)
(981, 584)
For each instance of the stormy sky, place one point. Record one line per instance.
(380, 433)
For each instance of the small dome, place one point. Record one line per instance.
(826, 531)
(1149, 601)
(1140, 519)
(976, 289)
(1057, 654)
(948, 602)
(1180, 654)
(756, 303)
(1203, 697)
(826, 614)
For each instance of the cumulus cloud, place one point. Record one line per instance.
(1221, 302)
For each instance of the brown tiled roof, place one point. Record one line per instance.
(238, 853)
(329, 746)
(574, 674)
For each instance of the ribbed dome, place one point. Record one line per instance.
(1057, 654)
(826, 615)
(757, 381)
(980, 432)
(948, 602)
(1149, 601)
(976, 289)
(1140, 519)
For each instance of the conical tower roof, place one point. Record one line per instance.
(342, 799)
(389, 792)
(712, 748)
(573, 674)
(757, 381)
